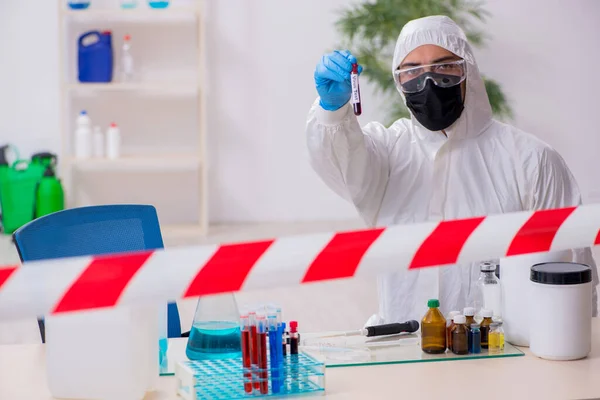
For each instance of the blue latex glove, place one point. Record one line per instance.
(332, 78)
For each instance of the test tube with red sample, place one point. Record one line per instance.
(246, 352)
(263, 373)
(254, 349)
(294, 337)
(356, 103)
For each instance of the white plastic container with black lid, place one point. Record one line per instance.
(560, 310)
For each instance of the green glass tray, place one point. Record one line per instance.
(349, 351)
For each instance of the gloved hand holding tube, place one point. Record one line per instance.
(332, 79)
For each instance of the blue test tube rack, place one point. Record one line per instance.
(224, 379)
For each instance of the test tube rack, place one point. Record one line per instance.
(302, 375)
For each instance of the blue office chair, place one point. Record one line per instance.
(90, 231)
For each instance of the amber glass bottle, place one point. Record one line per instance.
(469, 313)
(460, 344)
(449, 326)
(433, 329)
(485, 327)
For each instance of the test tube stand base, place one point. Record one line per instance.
(301, 375)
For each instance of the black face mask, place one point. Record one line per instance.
(436, 108)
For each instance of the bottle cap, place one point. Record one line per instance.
(494, 325)
(127, 38)
(561, 273)
(487, 266)
(487, 313)
(469, 311)
(452, 314)
(459, 319)
(113, 125)
(433, 303)
(293, 326)
(474, 326)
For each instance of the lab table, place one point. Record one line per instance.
(22, 376)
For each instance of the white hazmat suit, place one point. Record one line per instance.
(407, 174)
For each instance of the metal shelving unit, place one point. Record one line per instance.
(145, 157)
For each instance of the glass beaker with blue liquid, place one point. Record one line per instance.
(215, 332)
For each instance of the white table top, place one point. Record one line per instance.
(22, 376)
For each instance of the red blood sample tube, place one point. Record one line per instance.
(246, 353)
(261, 332)
(254, 350)
(356, 104)
(294, 337)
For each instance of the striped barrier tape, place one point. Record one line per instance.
(84, 283)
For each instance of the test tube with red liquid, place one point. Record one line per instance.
(263, 373)
(254, 350)
(356, 104)
(294, 339)
(246, 353)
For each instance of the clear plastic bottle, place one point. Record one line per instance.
(460, 337)
(127, 65)
(433, 329)
(489, 289)
(485, 327)
(449, 326)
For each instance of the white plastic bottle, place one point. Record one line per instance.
(83, 136)
(127, 64)
(98, 142)
(113, 142)
(516, 292)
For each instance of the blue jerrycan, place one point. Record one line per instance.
(95, 57)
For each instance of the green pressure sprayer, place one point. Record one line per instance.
(49, 194)
(28, 189)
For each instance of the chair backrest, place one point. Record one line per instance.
(87, 231)
(94, 230)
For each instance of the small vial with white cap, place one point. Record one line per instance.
(460, 337)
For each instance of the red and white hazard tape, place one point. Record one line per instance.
(83, 283)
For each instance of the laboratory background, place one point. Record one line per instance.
(200, 108)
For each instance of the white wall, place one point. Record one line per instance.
(545, 54)
(260, 87)
(29, 110)
(262, 57)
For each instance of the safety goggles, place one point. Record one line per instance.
(446, 74)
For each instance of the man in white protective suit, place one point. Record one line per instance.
(450, 160)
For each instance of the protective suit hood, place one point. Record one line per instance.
(442, 31)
